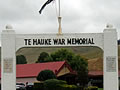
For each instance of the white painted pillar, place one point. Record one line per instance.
(110, 59)
(8, 62)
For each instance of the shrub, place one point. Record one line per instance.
(45, 75)
(53, 84)
(21, 59)
(68, 87)
(92, 88)
(38, 86)
(80, 88)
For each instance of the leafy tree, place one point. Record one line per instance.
(81, 66)
(44, 57)
(21, 59)
(76, 62)
(62, 54)
(45, 75)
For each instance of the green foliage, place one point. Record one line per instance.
(100, 88)
(76, 62)
(21, 59)
(44, 57)
(91, 88)
(68, 87)
(81, 66)
(45, 75)
(38, 86)
(62, 54)
(53, 84)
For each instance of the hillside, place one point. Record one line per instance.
(88, 52)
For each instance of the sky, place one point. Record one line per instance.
(78, 16)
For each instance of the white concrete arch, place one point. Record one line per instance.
(107, 41)
(84, 39)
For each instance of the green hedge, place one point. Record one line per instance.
(91, 88)
(54, 84)
(38, 86)
(69, 87)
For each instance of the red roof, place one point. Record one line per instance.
(32, 70)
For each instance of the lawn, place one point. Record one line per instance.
(100, 88)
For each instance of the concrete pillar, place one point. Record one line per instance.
(8, 61)
(110, 59)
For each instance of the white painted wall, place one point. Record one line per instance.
(8, 60)
(110, 59)
(98, 39)
(24, 80)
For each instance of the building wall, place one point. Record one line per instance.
(24, 80)
(64, 71)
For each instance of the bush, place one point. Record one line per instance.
(21, 59)
(38, 86)
(68, 87)
(45, 75)
(80, 88)
(53, 84)
(92, 88)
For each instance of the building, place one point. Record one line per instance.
(96, 78)
(28, 72)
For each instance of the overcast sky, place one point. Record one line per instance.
(78, 16)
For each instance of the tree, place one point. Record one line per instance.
(45, 75)
(21, 59)
(44, 57)
(81, 66)
(62, 54)
(76, 62)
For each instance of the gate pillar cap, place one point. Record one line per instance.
(8, 30)
(109, 26)
(9, 27)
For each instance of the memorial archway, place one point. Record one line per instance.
(107, 41)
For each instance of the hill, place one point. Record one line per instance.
(32, 53)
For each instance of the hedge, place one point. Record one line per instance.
(68, 87)
(38, 86)
(91, 88)
(54, 84)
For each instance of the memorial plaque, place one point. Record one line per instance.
(111, 64)
(8, 65)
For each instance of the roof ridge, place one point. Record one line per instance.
(41, 63)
